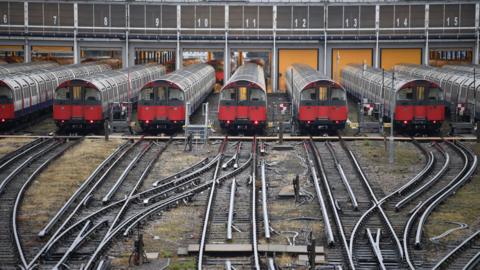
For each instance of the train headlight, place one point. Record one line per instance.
(228, 121)
(255, 122)
(3, 120)
(434, 121)
(147, 122)
(91, 121)
(405, 122)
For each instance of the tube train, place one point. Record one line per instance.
(162, 102)
(457, 85)
(83, 103)
(243, 100)
(418, 102)
(317, 101)
(25, 94)
(25, 67)
(464, 68)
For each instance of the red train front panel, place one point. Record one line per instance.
(78, 105)
(7, 112)
(243, 107)
(322, 106)
(420, 105)
(161, 107)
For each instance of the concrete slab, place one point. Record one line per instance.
(318, 259)
(152, 255)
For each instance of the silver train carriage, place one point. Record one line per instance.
(25, 67)
(458, 87)
(464, 68)
(302, 82)
(190, 84)
(24, 93)
(107, 87)
(421, 100)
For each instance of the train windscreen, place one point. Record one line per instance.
(5, 94)
(308, 94)
(257, 95)
(338, 94)
(435, 94)
(228, 94)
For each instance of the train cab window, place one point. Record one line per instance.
(420, 93)
(434, 94)
(161, 93)
(308, 94)
(77, 93)
(5, 94)
(257, 95)
(242, 93)
(147, 94)
(62, 94)
(228, 94)
(175, 94)
(405, 94)
(337, 94)
(322, 93)
(91, 94)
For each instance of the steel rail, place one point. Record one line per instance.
(15, 154)
(231, 209)
(206, 219)
(428, 184)
(345, 182)
(125, 173)
(84, 233)
(444, 193)
(366, 182)
(338, 221)
(264, 202)
(19, 198)
(422, 174)
(418, 210)
(77, 193)
(20, 167)
(473, 262)
(81, 204)
(256, 258)
(321, 200)
(375, 245)
(271, 264)
(455, 252)
(176, 175)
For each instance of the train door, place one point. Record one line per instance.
(242, 108)
(77, 108)
(323, 111)
(420, 111)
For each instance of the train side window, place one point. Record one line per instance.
(242, 91)
(62, 94)
(228, 94)
(77, 93)
(420, 93)
(322, 93)
(434, 94)
(147, 94)
(308, 94)
(257, 95)
(405, 94)
(161, 93)
(175, 94)
(338, 94)
(5, 94)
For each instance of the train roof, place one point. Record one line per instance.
(249, 72)
(376, 75)
(102, 81)
(186, 77)
(307, 75)
(25, 67)
(17, 81)
(437, 74)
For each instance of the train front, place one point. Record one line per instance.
(161, 106)
(323, 105)
(7, 104)
(78, 105)
(419, 106)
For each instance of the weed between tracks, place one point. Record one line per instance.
(8, 145)
(57, 183)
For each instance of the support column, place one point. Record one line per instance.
(426, 51)
(26, 49)
(476, 55)
(76, 51)
(325, 53)
(274, 56)
(178, 57)
(226, 52)
(126, 55)
(377, 49)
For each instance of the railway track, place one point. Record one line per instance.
(17, 172)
